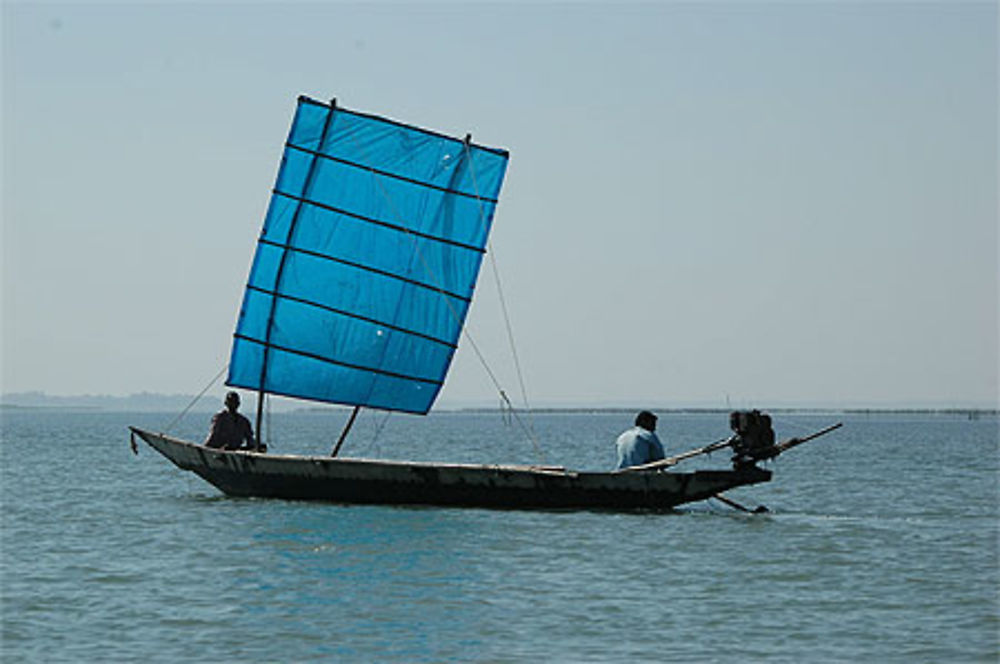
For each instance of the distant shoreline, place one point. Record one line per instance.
(175, 403)
(11, 406)
(611, 410)
(799, 409)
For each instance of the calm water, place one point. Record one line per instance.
(882, 545)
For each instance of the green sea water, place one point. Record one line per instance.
(881, 545)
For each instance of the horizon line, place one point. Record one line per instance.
(16, 400)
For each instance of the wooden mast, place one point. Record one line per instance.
(281, 265)
(260, 416)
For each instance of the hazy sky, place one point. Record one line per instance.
(772, 203)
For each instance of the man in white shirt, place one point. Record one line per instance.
(639, 444)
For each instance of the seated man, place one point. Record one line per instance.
(230, 430)
(640, 444)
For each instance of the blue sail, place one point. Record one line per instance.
(367, 261)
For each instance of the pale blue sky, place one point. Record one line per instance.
(778, 204)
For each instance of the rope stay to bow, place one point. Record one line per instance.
(197, 398)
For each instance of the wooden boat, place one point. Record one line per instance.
(360, 285)
(342, 480)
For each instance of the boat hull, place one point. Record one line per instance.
(343, 480)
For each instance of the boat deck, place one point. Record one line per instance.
(371, 481)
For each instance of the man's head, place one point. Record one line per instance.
(646, 420)
(232, 401)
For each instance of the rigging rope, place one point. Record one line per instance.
(503, 300)
(377, 428)
(195, 400)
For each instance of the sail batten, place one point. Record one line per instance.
(378, 222)
(373, 270)
(375, 171)
(353, 315)
(319, 358)
(367, 261)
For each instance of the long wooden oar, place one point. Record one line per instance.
(732, 503)
(794, 442)
(774, 451)
(674, 460)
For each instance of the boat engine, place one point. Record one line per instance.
(753, 438)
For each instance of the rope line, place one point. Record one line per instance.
(195, 400)
(529, 429)
(503, 302)
(377, 428)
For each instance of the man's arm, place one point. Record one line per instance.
(214, 439)
(655, 448)
(249, 441)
